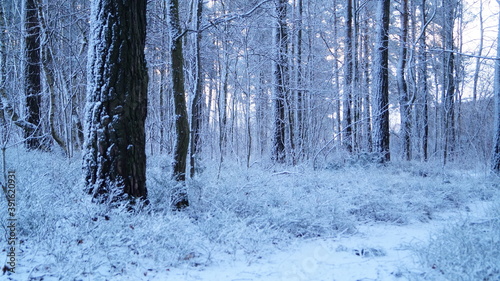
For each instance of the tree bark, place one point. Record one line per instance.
(281, 80)
(404, 99)
(348, 78)
(116, 106)
(448, 81)
(196, 108)
(32, 75)
(381, 83)
(181, 116)
(422, 91)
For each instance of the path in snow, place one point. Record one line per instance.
(376, 252)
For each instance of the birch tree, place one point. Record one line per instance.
(115, 156)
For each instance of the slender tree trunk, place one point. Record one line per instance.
(50, 79)
(356, 95)
(161, 97)
(448, 81)
(260, 112)
(348, 79)
(495, 157)
(281, 88)
(116, 107)
(222, 104)
(32, 75)
(338, 97)
(366, 86)
(381, 82)
(422, 90)
(479, 52)
(3, 64)
(404, 99)
(197, 106)
(300, 108)
(181, 116)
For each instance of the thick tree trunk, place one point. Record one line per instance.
(380, 89)
(115, 152)
(32, 75)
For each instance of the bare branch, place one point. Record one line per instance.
(12, 114)
(465, 54)
(224, 19)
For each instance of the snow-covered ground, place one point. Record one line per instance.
(378, 251)
(353, 222)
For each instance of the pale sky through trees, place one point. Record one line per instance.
(471, 36)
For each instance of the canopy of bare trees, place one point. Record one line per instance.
(266, 82)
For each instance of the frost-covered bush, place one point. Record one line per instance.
(468, 251)
(65, 236)
(292, 203)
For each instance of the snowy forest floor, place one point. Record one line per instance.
(356, 221)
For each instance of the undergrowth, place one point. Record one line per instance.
(239, 210)
(467, 251)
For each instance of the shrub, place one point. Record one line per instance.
(467, 251)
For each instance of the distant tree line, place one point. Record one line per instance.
(261, 81)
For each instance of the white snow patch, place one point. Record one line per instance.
(379, 251)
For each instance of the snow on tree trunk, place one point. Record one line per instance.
(115, 156)
(281, 80)
(422, 116)
(32, 75)
(348, 80)
(404, 99)
(181, 116)
(380, 90)
(449, 132)
(196, 108)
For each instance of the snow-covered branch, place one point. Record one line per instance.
(12, 114)
(224, 19)
(464, 54)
